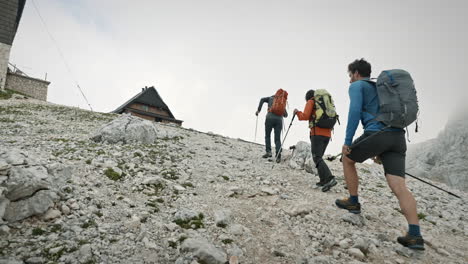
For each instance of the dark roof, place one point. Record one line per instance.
(148, 96)
(10, 16)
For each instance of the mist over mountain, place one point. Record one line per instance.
(444, 158)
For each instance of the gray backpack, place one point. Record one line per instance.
(397, 99)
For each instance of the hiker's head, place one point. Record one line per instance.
(309, 95)
(358, 70)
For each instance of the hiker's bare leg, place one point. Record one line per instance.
(405, 198)
(350, 174)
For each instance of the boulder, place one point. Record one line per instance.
(35, 205)
(204, 251)
(302, 158)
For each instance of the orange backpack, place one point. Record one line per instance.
(279, 102)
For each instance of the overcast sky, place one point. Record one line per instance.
(212, 61)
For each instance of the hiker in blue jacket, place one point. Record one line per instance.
(389, 147)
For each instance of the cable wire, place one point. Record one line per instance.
(61, 54)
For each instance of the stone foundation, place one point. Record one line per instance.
(32, 87)
(4, 56)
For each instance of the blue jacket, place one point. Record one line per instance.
(363, 106)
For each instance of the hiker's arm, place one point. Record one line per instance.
(285, 113)
(307, 111)
(354, 114)
(262, 101)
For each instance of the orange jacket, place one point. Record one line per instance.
(309, 111)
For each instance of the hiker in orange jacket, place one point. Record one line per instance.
(319, 139)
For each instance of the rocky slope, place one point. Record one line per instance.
(71, 192)
(444, 158)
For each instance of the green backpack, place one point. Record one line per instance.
(325, 112)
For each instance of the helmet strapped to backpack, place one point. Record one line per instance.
(325, 112)
(278, 107)
(398, 103)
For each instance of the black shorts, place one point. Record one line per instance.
(390, 146)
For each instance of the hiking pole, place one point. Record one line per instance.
(332, 158)
(256, 124)
(281, 146)
(433, 185)
(338, 155)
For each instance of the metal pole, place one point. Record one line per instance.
(256, 124)
(281, 146)
(338, 155)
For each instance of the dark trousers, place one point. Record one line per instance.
(319, 145)
(277, 125)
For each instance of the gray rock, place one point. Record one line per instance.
(302, 158)
(65, 209)
(35, 260)
(13, 157)
(357, 253)
(362, 244)
(185, 215)
(85, 253)
(205, 251)
(26, 189)
(3, 205)
(4, 230)
(4, 168)
(8, 260)
(405, 252)
(345, 243)
(355, 219)
(36, 205)
(269, 191)
(299, 209)
(222, 217)
(320, 260)
(237, 229)
(51, 214)
(126, 129)
(153, 180)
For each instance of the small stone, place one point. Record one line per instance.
(344, 243)
(65, 209)
(51, 214)
(269, 191)
(355, 219)
(357, 253)
(405, 252)
(75, 206)
(35, 260)
(179, 188)
(442, 252)
(55, 250)
(85, 253)
(4, 230)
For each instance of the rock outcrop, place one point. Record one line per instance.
(444, 158)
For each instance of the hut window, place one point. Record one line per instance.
(145, 108)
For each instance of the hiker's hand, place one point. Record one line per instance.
(377, 160)
(256, 113)
(346, 150)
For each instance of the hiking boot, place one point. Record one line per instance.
(278, 159)
(354, 208)
(413, 242)
(267, 155)
(327, 186)
(319, 184)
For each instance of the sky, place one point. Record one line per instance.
(212, 60)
